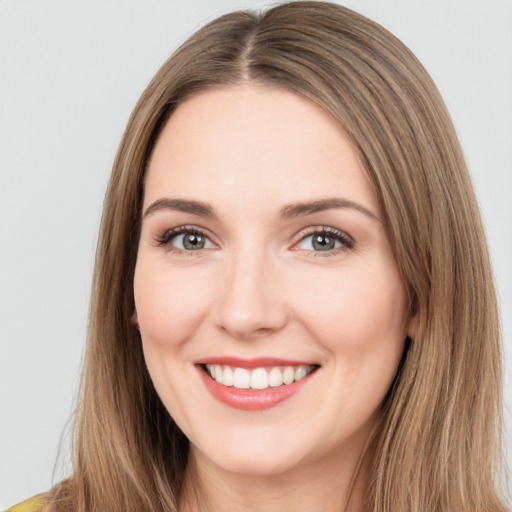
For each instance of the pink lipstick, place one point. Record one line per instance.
(254, 384)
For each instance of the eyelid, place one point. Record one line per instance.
(346, 240)
(164, 239)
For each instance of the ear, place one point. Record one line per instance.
(134, 320)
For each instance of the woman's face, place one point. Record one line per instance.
(263, 261)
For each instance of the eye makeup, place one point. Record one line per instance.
(316, 240)
(191, 238)
(323, 241)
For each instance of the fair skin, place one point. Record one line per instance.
(262, 246)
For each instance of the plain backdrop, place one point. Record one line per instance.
(70, 73)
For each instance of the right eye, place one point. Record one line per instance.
(185, 239)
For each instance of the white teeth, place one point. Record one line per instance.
(241, 378)
(300, 372)
(258, 378)
(288, 375)
(227, 378)
(275, 377)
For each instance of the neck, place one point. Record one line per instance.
(326, 485)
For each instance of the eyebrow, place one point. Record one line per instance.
(310, 207)
(181, 205)
(286, 212)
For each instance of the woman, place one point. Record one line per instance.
(293, 304)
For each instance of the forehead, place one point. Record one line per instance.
(251, 140)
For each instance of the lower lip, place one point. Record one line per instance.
(252, 400)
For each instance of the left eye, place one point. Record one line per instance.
(191, 241)
(323, 241)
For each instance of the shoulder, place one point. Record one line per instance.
(34, 504)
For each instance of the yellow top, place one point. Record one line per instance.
(34, 504)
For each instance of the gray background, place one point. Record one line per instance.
(70, 73)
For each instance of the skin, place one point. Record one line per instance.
(259, 288)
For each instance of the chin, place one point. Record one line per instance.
(262, 465)
(258, 455)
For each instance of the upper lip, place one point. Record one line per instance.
(258, 362)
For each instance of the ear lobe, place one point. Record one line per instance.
(134, 320)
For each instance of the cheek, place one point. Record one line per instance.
(360, 319)
(169, 306)
(358, 311)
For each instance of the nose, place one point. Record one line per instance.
(251, 303)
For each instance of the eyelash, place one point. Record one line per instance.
(346, 242)
(165, 239)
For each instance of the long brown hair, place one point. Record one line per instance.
(438, 445)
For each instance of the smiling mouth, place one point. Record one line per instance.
(258, 379)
